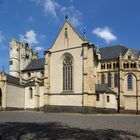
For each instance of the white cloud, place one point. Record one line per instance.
(29, 37)
(30, 19)
(39, 49)
(50, 7)
(1, 37)
(42, 37)
(75, 21)
(75, 16)
(55, 9)
(105, 33)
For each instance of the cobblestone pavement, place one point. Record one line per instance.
(62, 126)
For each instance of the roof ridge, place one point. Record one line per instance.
(114, 46)
(11, 76)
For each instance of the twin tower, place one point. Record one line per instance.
(21, 55)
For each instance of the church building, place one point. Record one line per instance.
(73, 76)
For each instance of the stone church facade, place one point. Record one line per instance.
(73, 76)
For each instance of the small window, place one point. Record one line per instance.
(102, 66)
(97, 97)
(17, 50)
(109, 66)
(27, 56)
(11, 62)
(127, 65)
(129, 56)
(30, 93)
(66, 33)
(133, 65)
(29, 74)
(108, 99)
(117, 65)
(114, 65)
(42, 73)
(124, 65)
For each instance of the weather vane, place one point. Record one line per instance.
(66, 17)
(84, 35)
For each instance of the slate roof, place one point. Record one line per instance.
(136, 53)
(12, 79)
(32, 83)
(103, 88)
(112, 52)
(36, 64)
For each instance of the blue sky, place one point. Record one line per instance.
(106, 22)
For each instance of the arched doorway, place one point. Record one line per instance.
(0, 98)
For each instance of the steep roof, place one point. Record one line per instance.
(103, 88)
(12, 79)
(36, 64)
(74, 38)
(32, 83)
(136, 53)
(112, 52)
(76, 31)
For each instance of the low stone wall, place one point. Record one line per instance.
(129, 112)
(77, 109)
(73, 109)
(12, 109)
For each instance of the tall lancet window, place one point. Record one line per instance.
(115, 80)
(67, 74)
(129, 82)
(109, 79)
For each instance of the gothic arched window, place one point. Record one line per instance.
(30, 93)
(67, 74)
(103, 79)
(97, 97)
(108, 99)
(114, 65)
(129, 81)
(115, 80)
(109, 79)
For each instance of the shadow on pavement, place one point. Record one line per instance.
(58, 131)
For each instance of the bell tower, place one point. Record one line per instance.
(14, 58)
